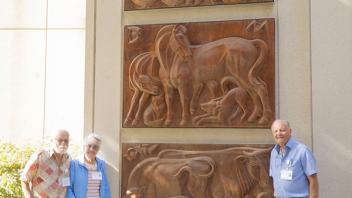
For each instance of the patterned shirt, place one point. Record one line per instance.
(48, 178)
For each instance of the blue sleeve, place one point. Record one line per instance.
(69, 190)
(309, 163)
(105, 183)
(271, 164)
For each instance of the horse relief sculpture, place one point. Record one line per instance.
(197, 171)
(149, 4)
(191, 75)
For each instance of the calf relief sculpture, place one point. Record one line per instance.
(218, 74)
(230, 172)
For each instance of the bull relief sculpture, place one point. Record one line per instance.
(150, 4)
(174, 172)
(225, 82)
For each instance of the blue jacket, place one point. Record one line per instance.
(79, 180)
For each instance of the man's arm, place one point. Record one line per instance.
(313, 186)
(25, 189)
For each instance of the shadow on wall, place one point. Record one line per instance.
(113, 176)
(346, 2)
(334, 158)
(335, 152)
(109, 153)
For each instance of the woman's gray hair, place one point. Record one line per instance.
(92, 135)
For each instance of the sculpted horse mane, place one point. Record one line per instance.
(162, 44)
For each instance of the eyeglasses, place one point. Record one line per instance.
(93, 146)
(62, 141)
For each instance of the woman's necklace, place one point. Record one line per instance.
(90, 166)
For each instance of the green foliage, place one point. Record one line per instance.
(12, 160)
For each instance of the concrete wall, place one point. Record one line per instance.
(312, 86)
(331, 30)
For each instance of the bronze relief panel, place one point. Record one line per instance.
(209, 74)
(196, 171)
(152, 4)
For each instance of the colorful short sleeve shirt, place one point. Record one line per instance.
(47, 177)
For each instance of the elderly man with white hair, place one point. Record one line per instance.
(46, 174)
(292, 165)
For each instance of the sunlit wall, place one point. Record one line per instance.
(42, 54)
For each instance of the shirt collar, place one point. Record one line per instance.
(81, 159)
(64, 156)
(291, 143)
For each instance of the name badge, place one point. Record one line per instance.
(97, 175)
(286, 174)
(65, 181)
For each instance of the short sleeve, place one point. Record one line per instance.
(30, 170)
(308, 162)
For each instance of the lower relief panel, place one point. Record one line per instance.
(196, 171)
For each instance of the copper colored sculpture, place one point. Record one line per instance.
(196, 171)
(225, 80)
(149, 4)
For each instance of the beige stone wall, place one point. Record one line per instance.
(331, 30)
(300, 71)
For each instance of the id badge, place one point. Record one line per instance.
(65, 181)
(286, 174)
(97, 175)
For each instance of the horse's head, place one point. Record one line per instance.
(180, 43)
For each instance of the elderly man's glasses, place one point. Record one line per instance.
(93, 146)
(62, 141)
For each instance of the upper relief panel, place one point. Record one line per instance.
(209, 74)
(154, 4)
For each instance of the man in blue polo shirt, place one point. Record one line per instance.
(292, 165)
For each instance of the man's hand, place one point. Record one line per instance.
(26, 190)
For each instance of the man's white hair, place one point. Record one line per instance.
(55, 132)
(281, 120)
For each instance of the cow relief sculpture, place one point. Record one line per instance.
(226, 82)
(232, 172)
(150, 4)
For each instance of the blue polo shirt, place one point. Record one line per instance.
(297, 159)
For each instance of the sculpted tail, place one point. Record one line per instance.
(258, 64)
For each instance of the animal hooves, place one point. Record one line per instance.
(135, 122)
(264, 120)
(183, 123)
(168, 122)
(252, 118)
(127, 122)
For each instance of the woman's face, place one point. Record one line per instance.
(91, 148)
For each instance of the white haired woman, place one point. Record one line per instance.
(88, 174)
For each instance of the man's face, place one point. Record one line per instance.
(61, 142)
(281, 132)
